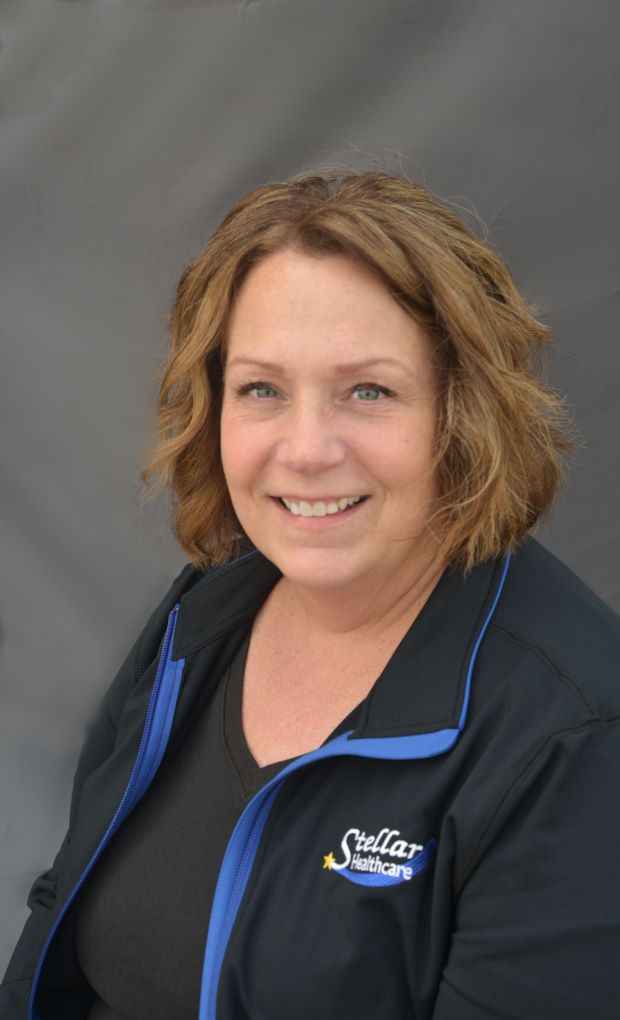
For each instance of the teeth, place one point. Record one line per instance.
(319, 509)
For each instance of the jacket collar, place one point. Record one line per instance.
(424, 686)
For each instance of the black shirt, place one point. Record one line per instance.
(144, 914)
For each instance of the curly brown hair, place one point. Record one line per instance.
(501, 430)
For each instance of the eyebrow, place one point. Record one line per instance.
(352, 366)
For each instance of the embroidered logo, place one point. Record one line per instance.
(382, 859)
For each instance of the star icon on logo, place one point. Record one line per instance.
(328, 860)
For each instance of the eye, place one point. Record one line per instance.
(370, 392)
(258, 386)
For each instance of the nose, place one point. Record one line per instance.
(309, 442)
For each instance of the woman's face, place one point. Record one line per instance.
(329, 394)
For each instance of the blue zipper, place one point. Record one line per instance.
(159, 716)
(243, 844)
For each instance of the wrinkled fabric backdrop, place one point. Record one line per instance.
(128, 129)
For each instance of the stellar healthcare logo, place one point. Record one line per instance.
(382, 859)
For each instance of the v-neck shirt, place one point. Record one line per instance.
(144, 911)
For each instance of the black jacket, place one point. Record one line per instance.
(455, 857)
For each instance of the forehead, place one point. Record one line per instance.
(293, 306)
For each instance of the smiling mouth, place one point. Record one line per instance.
(302, 508)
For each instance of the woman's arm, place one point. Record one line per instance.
(537, 922)
(97, 747)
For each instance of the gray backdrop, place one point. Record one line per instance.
(129, 127)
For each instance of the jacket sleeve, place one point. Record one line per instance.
(98, 745)
(536, 931)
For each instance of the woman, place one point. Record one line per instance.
(362, 760)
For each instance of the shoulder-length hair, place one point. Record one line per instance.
(501, 430)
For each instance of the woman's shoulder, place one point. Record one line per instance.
(549, 612)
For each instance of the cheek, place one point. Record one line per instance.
(231, 449)
(410, 478)
(406, 457)
(239, 451)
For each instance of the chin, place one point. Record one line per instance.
(317, 568)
